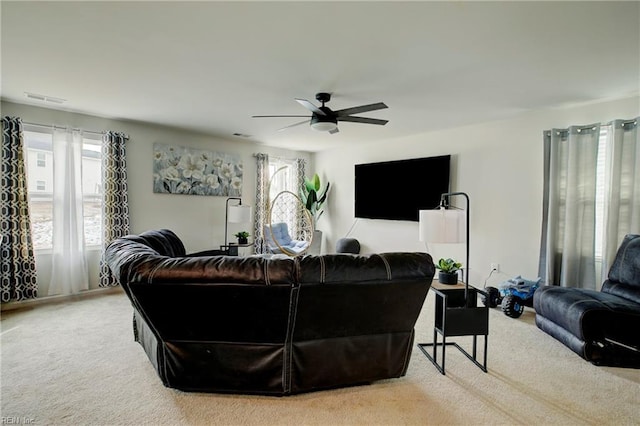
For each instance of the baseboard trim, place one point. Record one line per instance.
(48, 300)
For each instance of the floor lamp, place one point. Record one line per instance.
(235, 213)
(447, 226)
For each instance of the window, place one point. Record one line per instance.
(282, 176)
(92, 191)
(39, 159)
(284, 202)
(600, 190)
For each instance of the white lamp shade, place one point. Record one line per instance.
(442, 226)
(323, 126)
(239, 214)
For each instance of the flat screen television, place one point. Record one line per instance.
(397, 190)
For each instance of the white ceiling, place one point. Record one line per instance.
(210, 66)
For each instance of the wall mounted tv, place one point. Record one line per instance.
(397, 190)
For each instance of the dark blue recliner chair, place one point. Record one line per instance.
(603, 326)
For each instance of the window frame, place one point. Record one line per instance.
(36, 133)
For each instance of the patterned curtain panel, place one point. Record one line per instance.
(262, 201)
(299, 181)
(115, 217)
(17, 261)
(300, 172)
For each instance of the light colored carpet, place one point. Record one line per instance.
(76, 363)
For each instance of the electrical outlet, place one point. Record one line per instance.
(495, 267)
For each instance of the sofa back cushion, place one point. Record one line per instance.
(216, 312)
(132, 260)
(624, 275)
(164, 241)
(345, 268)
(348, 295)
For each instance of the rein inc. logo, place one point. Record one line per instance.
(17, 420)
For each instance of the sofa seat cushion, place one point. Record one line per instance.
(297, 246)
(587, 314)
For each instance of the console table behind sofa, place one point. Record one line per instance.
(270, 325)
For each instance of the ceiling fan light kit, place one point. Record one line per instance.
(323, 119)
(321, 124)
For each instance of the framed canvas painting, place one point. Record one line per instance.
(180, 170)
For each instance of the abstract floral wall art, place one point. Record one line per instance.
(180, 170)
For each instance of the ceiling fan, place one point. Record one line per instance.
(323, 119)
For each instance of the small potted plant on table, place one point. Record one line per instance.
(448, 271)
(242, 236)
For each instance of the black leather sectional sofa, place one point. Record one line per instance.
(273, 326)
(602, 327)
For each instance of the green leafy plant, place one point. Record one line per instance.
(313, 198)
(241, 234)
(448, 266)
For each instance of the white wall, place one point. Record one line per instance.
(499, 164)
(198, 220)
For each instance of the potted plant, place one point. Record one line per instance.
(448, 271)
(242, 237)
(313, 198)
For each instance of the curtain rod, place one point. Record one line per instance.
(50, 126)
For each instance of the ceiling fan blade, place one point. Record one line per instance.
(336, 130)
(294, 125)
(363, 120)
(272, 116)
(311, 107)
(360, 109)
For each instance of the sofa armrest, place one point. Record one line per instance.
(629, 292)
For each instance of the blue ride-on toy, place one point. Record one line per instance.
(512, 295)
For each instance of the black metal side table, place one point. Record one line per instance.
(454, 317)
(231, 249)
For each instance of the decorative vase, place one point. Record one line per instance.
(242, 240)
(448, 277)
